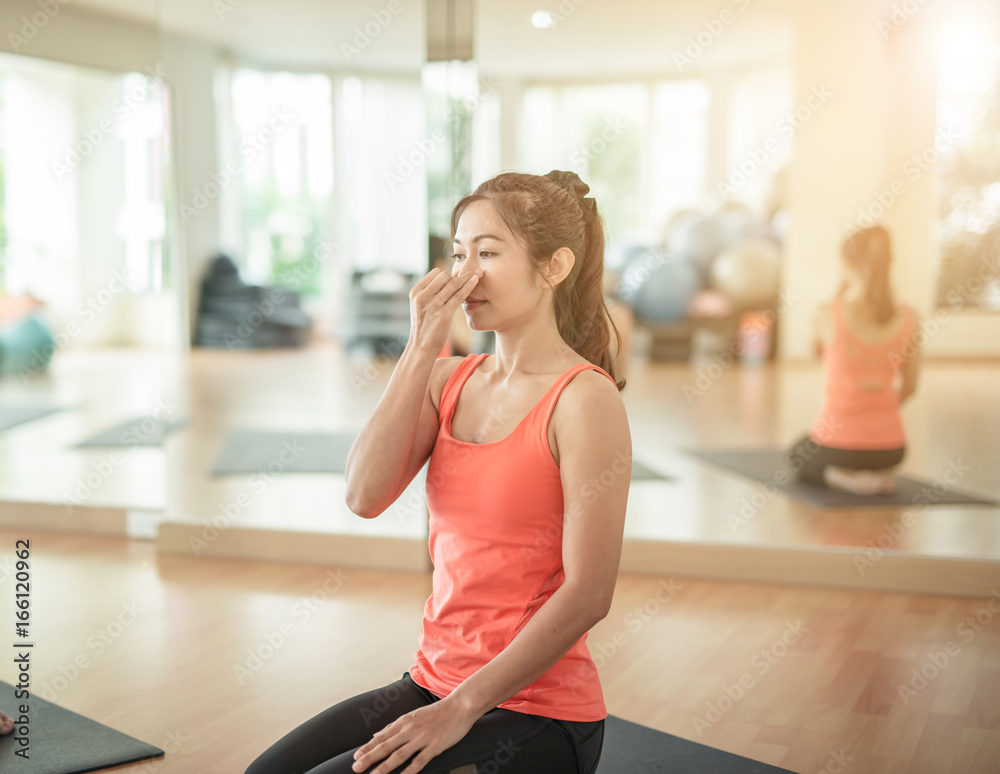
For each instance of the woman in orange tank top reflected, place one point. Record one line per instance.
(529, 465)
(871, 361)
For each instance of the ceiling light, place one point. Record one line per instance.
(541, 20)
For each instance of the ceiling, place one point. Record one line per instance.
(592, 38)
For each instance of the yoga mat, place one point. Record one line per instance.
(641, 472)
(134, 432)
(633, 749)
(12, 416)
(62, 742)
(247, 451)
(762, 465)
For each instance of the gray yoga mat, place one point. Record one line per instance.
(140, 431)
(249, 451)
(12, 416)
(642, 472)
(762, 465)
(62, 742)
(633, 749)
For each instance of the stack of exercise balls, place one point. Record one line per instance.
(709, 266)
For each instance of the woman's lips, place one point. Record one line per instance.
(471, 303)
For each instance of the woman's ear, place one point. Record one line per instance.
(560, 266)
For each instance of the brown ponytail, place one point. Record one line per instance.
(548, 213)
(868, 252)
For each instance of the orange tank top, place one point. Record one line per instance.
(495, 536)
(860, 402)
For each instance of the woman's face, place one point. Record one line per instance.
(508, 288)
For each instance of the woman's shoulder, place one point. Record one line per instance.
(444, 369)
(590, 388)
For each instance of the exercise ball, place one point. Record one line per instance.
(620, 253)
(748, 274)
(27, 345)
(659, 287)
(702, 240)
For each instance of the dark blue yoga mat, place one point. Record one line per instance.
(633, 749)
(62, 742)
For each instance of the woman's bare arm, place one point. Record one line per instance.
(911, 368)
(398, 437)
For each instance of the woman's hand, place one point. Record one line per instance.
(425, 732)
(433, 303)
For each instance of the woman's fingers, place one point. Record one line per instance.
(433, 281)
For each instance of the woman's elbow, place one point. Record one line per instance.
(594, 606)
(359, 504)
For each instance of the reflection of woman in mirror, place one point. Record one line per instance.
(524, 541)
(871, 359)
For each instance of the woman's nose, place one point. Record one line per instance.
(464, 267)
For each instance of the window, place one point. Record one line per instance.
(967, 231)
(277, 211)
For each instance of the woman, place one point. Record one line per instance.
(530, 462)
(871, 363)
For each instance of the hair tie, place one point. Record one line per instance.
(571, 182)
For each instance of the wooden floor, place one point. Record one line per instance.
(825, 652)
(194, 660)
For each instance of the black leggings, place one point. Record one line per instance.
(500, 741)
(810, 459)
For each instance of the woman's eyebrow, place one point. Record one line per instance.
(479, 238)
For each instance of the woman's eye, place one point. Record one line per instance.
(485, 254)
(457, 257)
